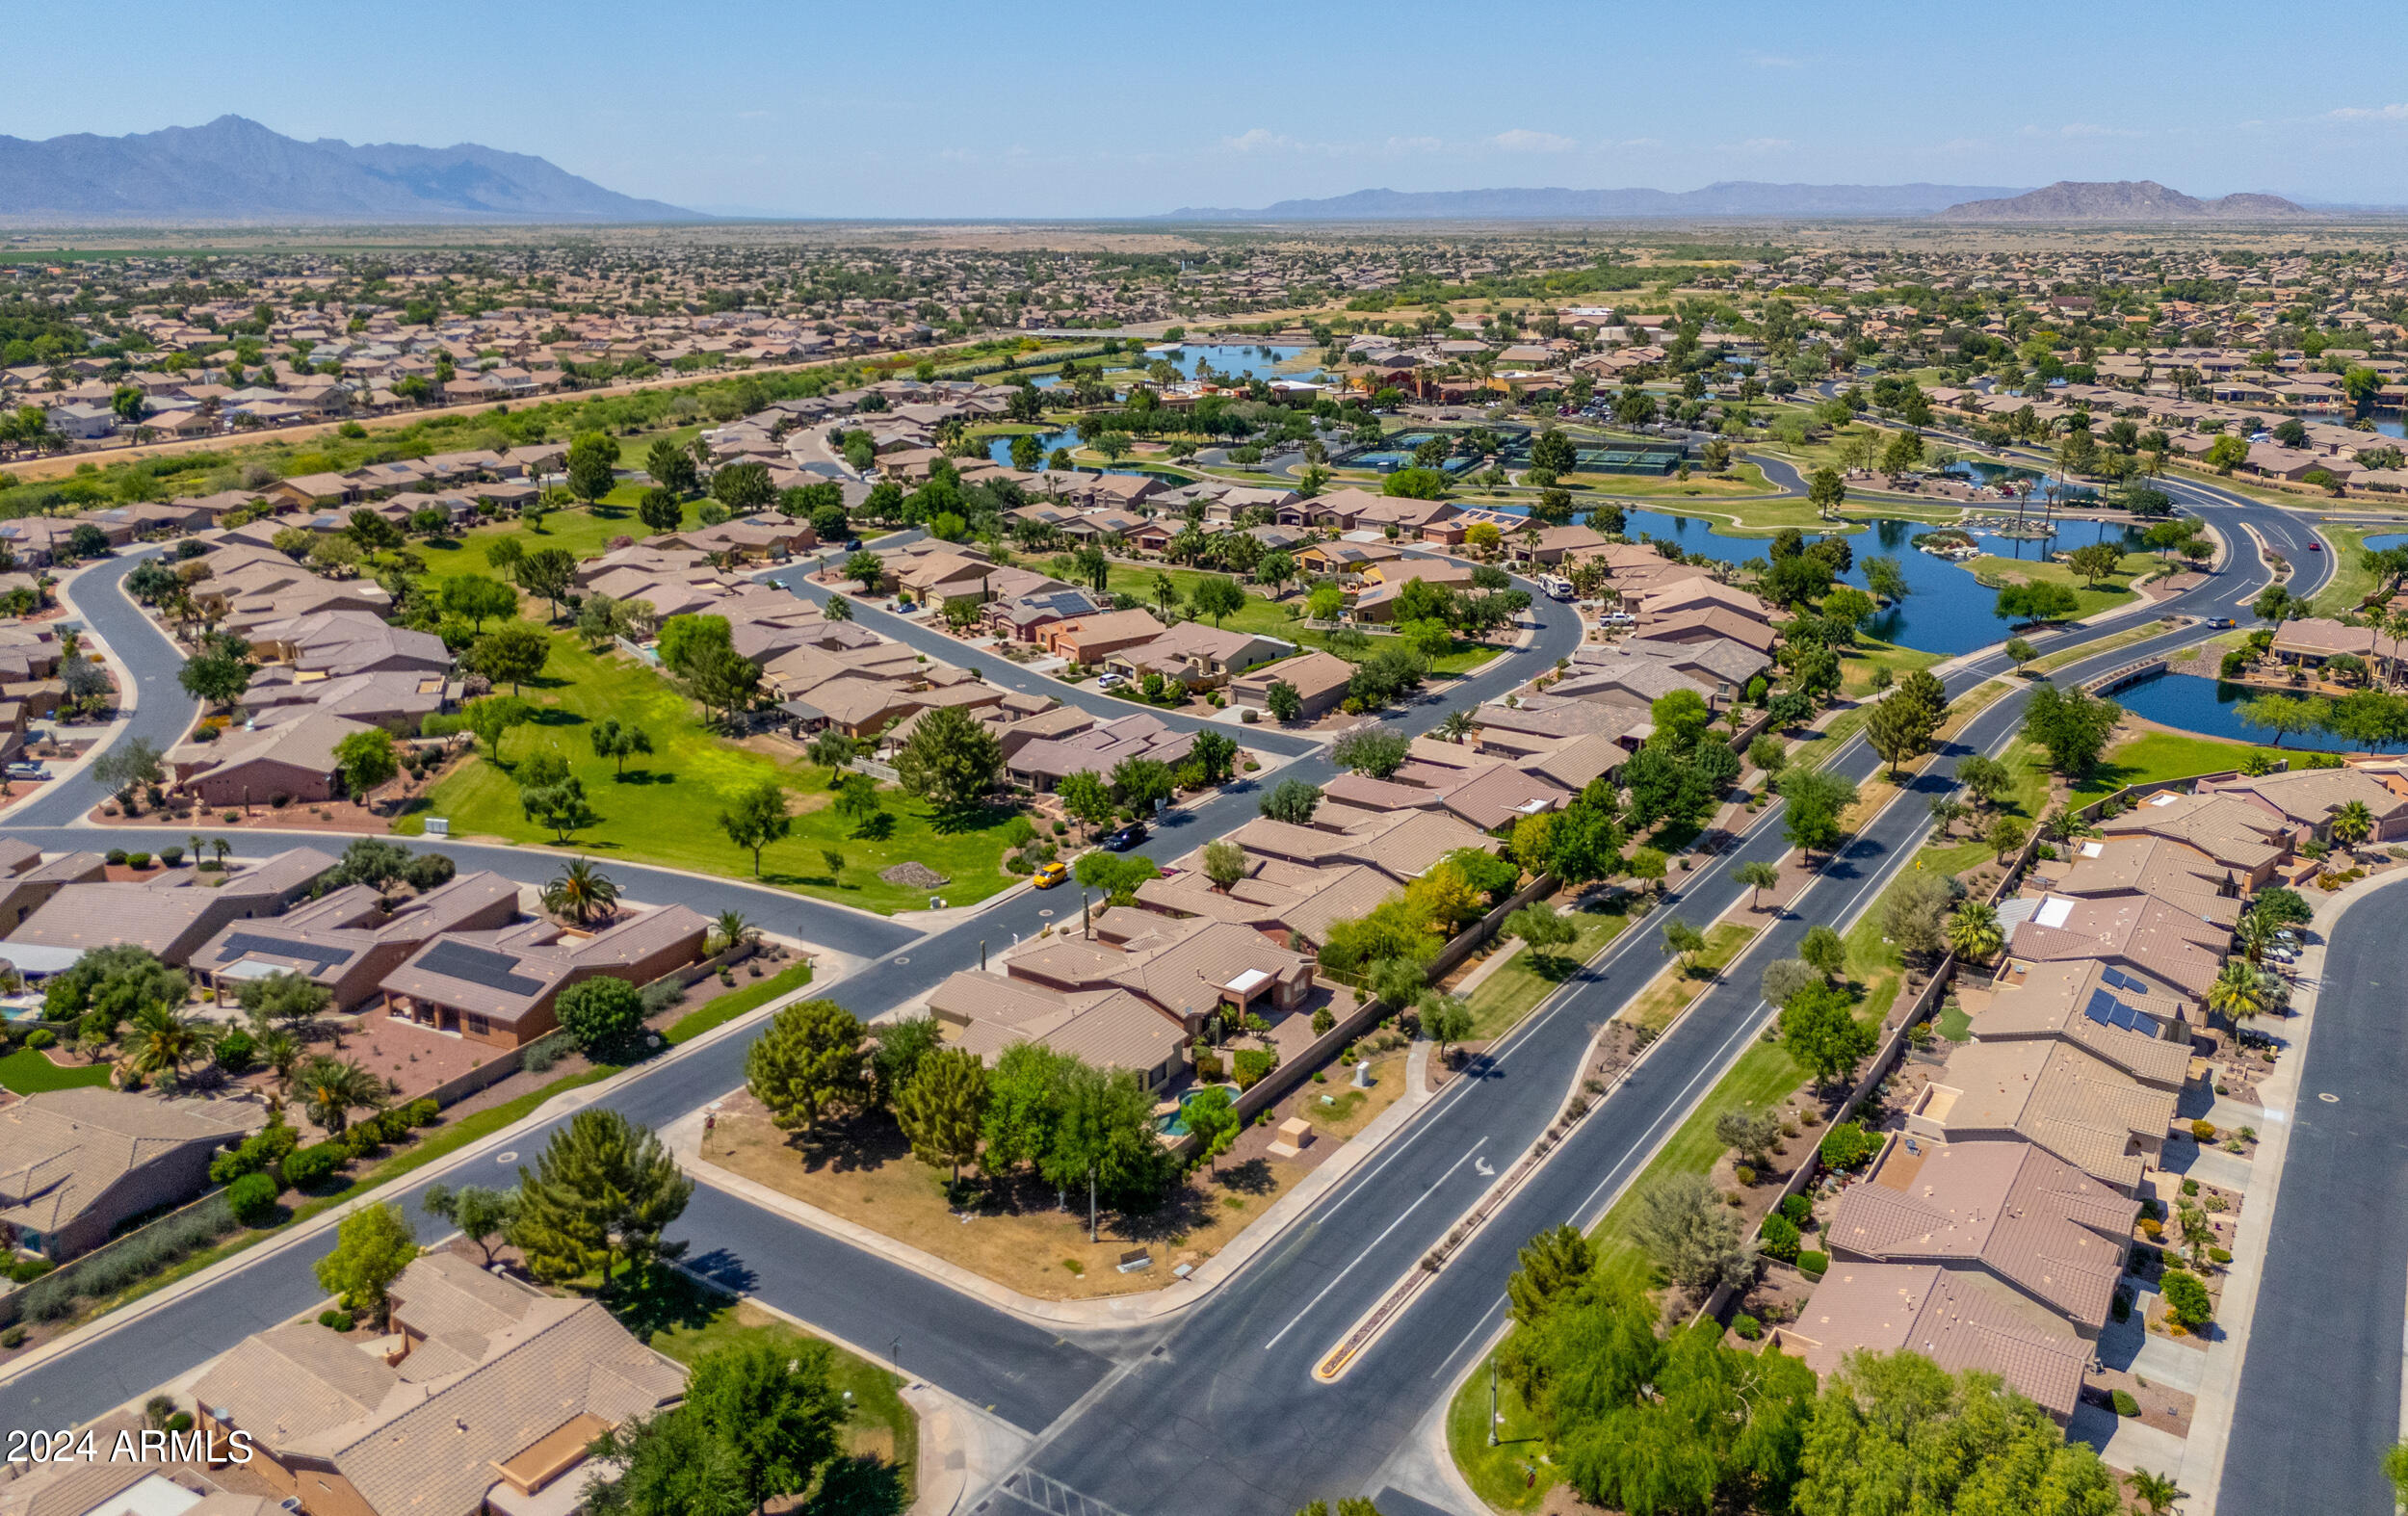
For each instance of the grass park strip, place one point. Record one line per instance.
(2156, 756)
(666, 810)
(2350, 585)
(2092, 649)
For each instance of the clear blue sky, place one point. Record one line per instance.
(929, 108)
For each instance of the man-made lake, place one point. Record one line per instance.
(2211, 708)
(2392, 429)
(2387, 539)
(1228, 360)
(1950, 612)
(2031, 480)
(1000, 448)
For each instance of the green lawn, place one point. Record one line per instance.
(2113, 590)
(2092, 649)
(1515, 990)
(1502, 1474)
(734, 1002)
(2350, 585)
(586, 534)
(1260, 616)
(685, 1319)
(1764, 1076)
(29, 1071)
(1856, 668)
(667, 810)
(2160, 755)
(1743, 479)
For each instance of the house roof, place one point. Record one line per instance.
(411, 1443)
(2162, 940)
(2032, 1220)
(2057, 1094)
(60, 1150)
(1958, 1320)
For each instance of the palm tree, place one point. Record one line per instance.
(1973, 932)
(332, 1089)
(580, 890)
(282, 1052)
(2352, 823)
(2158, 1492)
(161, 1040)
(2239, 992)
(1457, 727)
(2256, 934)
(731, 929)
(2396, 627)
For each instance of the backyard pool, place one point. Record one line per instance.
(1174, 1123)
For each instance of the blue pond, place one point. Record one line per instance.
(2211, 708)
(2387, 539)
(1227, 359)
(1981, 471)
(2392, 429)
(1950, 611)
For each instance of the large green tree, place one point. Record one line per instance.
(942, 1106)
(950, 760)
(600, 1195)
(809, 1064)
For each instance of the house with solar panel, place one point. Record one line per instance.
(500, 986)
(348, 941)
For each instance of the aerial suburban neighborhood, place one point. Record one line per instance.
(749, 806)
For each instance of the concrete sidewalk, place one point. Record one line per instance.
(684, 1139)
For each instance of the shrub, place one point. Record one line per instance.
(262, 1152)
(1742, 1175)
(2123, 1306)
(114, 857)
(172, 857)
(336, 1320)
(1322, 1021)
(1780, 1235)
(1251, 1066)
(1747, 1326)
(2219, 1255)
(313, 1164)
(2187, 1298)
(254, 1199)
(1847, 1145)
(1797, 1208)
(1208, 1069)
(235, 1051)
(420, 1112)
(2124, 1404)
(2205, 1130)
(539, 1057)
(181, 1422)
(2190, 1186)
(1814, 1264)
(137, 860)
(13, 1337)
(40, 1037)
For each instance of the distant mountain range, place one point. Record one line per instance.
(234, 170)
(1738, 197)
(2123, 201)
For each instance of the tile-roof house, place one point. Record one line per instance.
(2240, 834)
(500, 986)
(2082, 1108)
(1958, 1320)
(498, 1395)
(76, 1162)
(2309, 797)
(2164, 944)
(289, 753)
(2029, 1220)
(1320, 680)
(346, 940)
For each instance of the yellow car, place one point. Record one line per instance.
(1051, 875)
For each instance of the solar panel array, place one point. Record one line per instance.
(2123, 981)
(2105, 1009)
(320, 955)
(479, 966)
